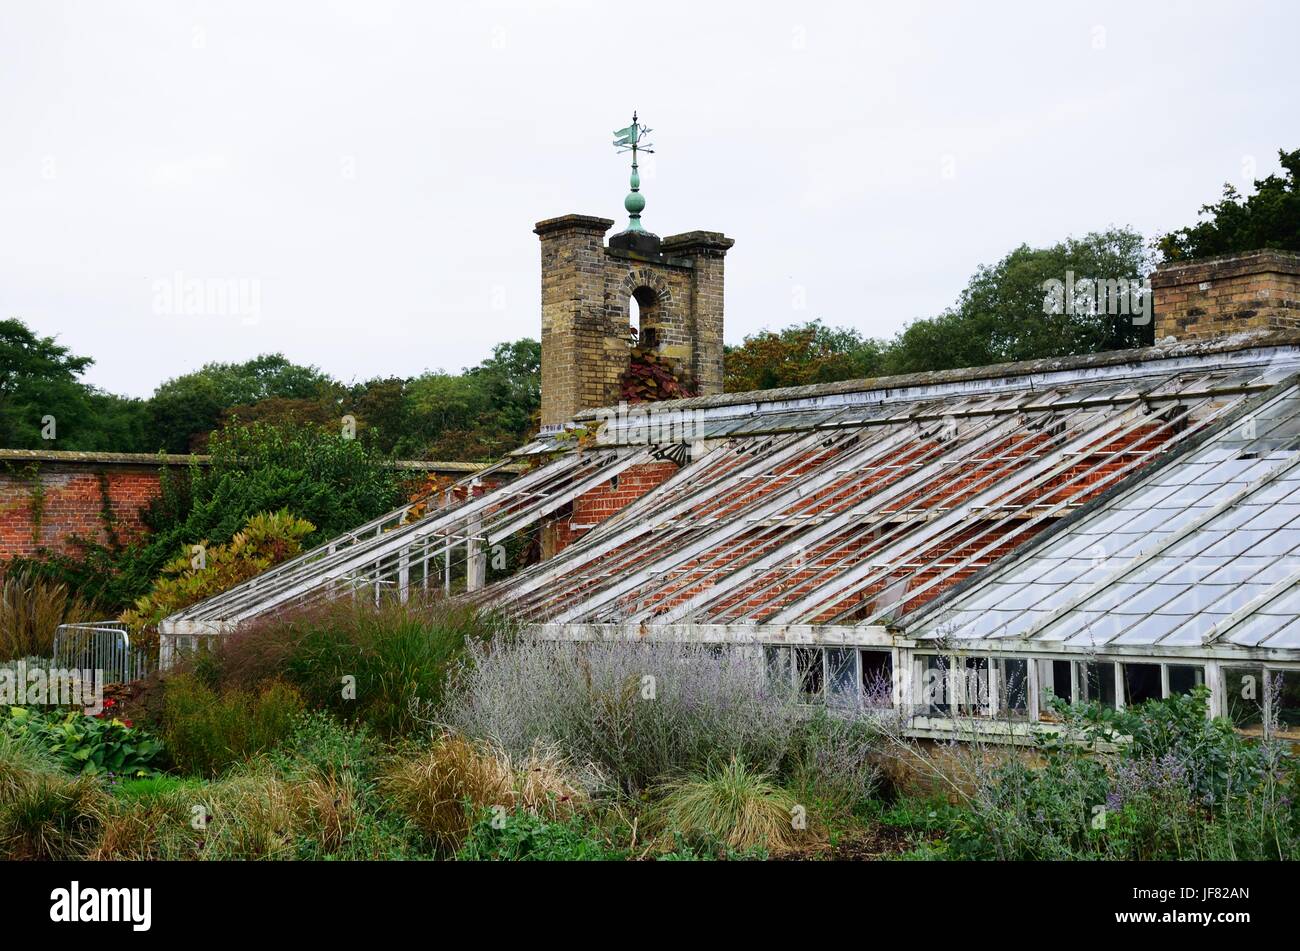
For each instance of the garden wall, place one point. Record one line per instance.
(48, 498)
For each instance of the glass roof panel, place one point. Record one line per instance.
(1288, 637)
(1101, 630)
(1151, 629)
(1240, 570)
(1029, 596)
(1255, 629)
(1287, 603)
(1150, 598)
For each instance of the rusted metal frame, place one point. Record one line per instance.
(595, 546)
(360, 557)
(1109, 429)
(275, 581)
(363, 533)
(833, 495)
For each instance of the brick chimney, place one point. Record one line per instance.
(587, 289)
(1211, 297)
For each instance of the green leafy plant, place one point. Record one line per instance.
(93, 746)
(399, 657)
(265, 540)
(524, 836)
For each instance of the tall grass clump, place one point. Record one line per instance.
(639, 711)
(31, 610)
(208, 730)
(45, 814)
(378, 665)
(730, 805)
(313, 797)
(442, 788)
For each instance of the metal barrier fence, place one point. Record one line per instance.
(102, 645)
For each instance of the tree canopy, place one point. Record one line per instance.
(1005, 313)
(474, 415)
(1269, 218)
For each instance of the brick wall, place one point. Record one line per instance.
(1259, 290)
(45, 504)
(592, 508)
(48, 498)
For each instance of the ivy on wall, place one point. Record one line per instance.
(36, 493)
(106, 514)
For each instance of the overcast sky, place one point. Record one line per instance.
(366, 175)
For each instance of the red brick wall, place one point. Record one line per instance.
(591, 508)
(71, 502)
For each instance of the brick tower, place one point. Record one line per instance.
(587, 290)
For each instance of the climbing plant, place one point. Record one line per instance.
(651, 376)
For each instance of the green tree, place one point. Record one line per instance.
(1006, 312)
(39, 378)
(797, 355)
(477, 414)
(381, 409)
(188, 407)
(1270, 218)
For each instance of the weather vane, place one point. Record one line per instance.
(630, 140)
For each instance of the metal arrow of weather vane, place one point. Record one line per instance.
(630, 140)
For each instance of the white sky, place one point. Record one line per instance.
(372, 171)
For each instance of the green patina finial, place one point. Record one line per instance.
(630, 139)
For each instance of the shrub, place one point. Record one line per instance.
(265, 540)
(22, 757)
(207, 731)
(31, 610)
(338, 766)
(85, 744)
(837, 760)
(731, 804)
(398, 654)
(440, 790)
(523, 836)
(1176, 785)
(250, 813)
(698, 708)
(150, 819)
(312, 798)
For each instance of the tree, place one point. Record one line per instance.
(39, 380)
(512, 382)
(797, 355)
(381, 410)
(187, 407)
(1006, 312)
(1270, 218)
(478, 414)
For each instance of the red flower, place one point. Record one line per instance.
(128, 723)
